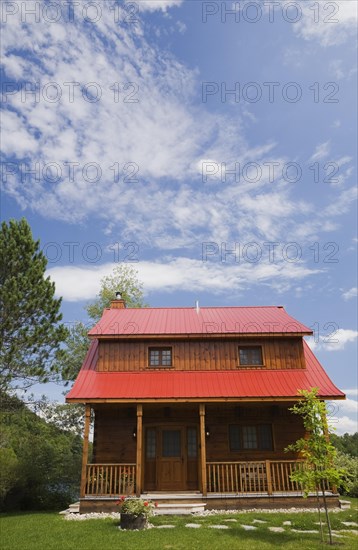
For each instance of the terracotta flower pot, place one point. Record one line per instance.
(130, 521)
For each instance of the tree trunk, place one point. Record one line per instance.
(327, 515)
(319, 515)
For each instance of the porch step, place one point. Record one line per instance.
(179, 508)
(344, 504)
(72, 509)
(171, 498)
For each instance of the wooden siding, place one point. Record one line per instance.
(286, 429)
(221, 354)
(114, 441)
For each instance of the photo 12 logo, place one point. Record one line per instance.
(34, 92)
(90, 252)
(69, 11)
(270, 91)
(269, 252)
(270, 11)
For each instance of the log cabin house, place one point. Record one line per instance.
(193, 404)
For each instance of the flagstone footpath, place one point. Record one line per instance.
(350, 527)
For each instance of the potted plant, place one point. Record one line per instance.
(135, 512)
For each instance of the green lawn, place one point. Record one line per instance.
(50, 531)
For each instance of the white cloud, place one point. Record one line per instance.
(161, 140)
(20, 139)
(343, 424)
(342, 203)
(153, 5)
(351, 293)
(351, 391)
(321, 151)
(348, 406)
(336, 341)
(334, 23)
(342, 415)
(173, 275)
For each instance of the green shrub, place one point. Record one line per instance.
(9, 471)
(40, 464)
(350, 464)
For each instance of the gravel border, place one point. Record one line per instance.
(116, 515)
(265, 511)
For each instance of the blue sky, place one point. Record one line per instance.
(168, 133)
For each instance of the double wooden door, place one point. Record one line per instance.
(171, 454)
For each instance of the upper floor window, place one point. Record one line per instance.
(160, 357)
(250, 355)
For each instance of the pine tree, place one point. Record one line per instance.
(30, 328)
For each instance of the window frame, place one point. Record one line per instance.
(251, 365)
(160, 349)
(257, 426)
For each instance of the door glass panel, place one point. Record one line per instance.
(171, 443)
(151, 443)
(192, 443)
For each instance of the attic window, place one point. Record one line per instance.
(250, 356)
(160, 357)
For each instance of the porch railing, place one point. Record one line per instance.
(110, 479)
(266, 476)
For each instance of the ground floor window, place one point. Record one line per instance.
(255, 437)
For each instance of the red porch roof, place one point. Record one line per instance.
(201, 385)
(208, 321)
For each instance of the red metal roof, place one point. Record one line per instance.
(188, 321)
(206, 385)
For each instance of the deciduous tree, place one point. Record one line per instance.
(124, 278)
(318, 453)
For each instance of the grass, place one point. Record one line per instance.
(49, 531)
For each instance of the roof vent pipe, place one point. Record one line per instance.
(197, 308)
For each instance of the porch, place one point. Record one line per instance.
(222, 454)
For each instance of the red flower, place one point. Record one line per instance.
(123, 498)
(146, 504)
(156, 504)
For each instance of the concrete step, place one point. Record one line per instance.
(72, 509)
(171, 498)
(179, 508)
(344, 504)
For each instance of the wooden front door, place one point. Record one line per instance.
(171, 460)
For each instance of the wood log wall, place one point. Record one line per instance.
(218, 354)
(114, 441)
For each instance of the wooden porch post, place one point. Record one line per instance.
(202, 449)
(139, 450)
(268, 476)
(85, 451)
